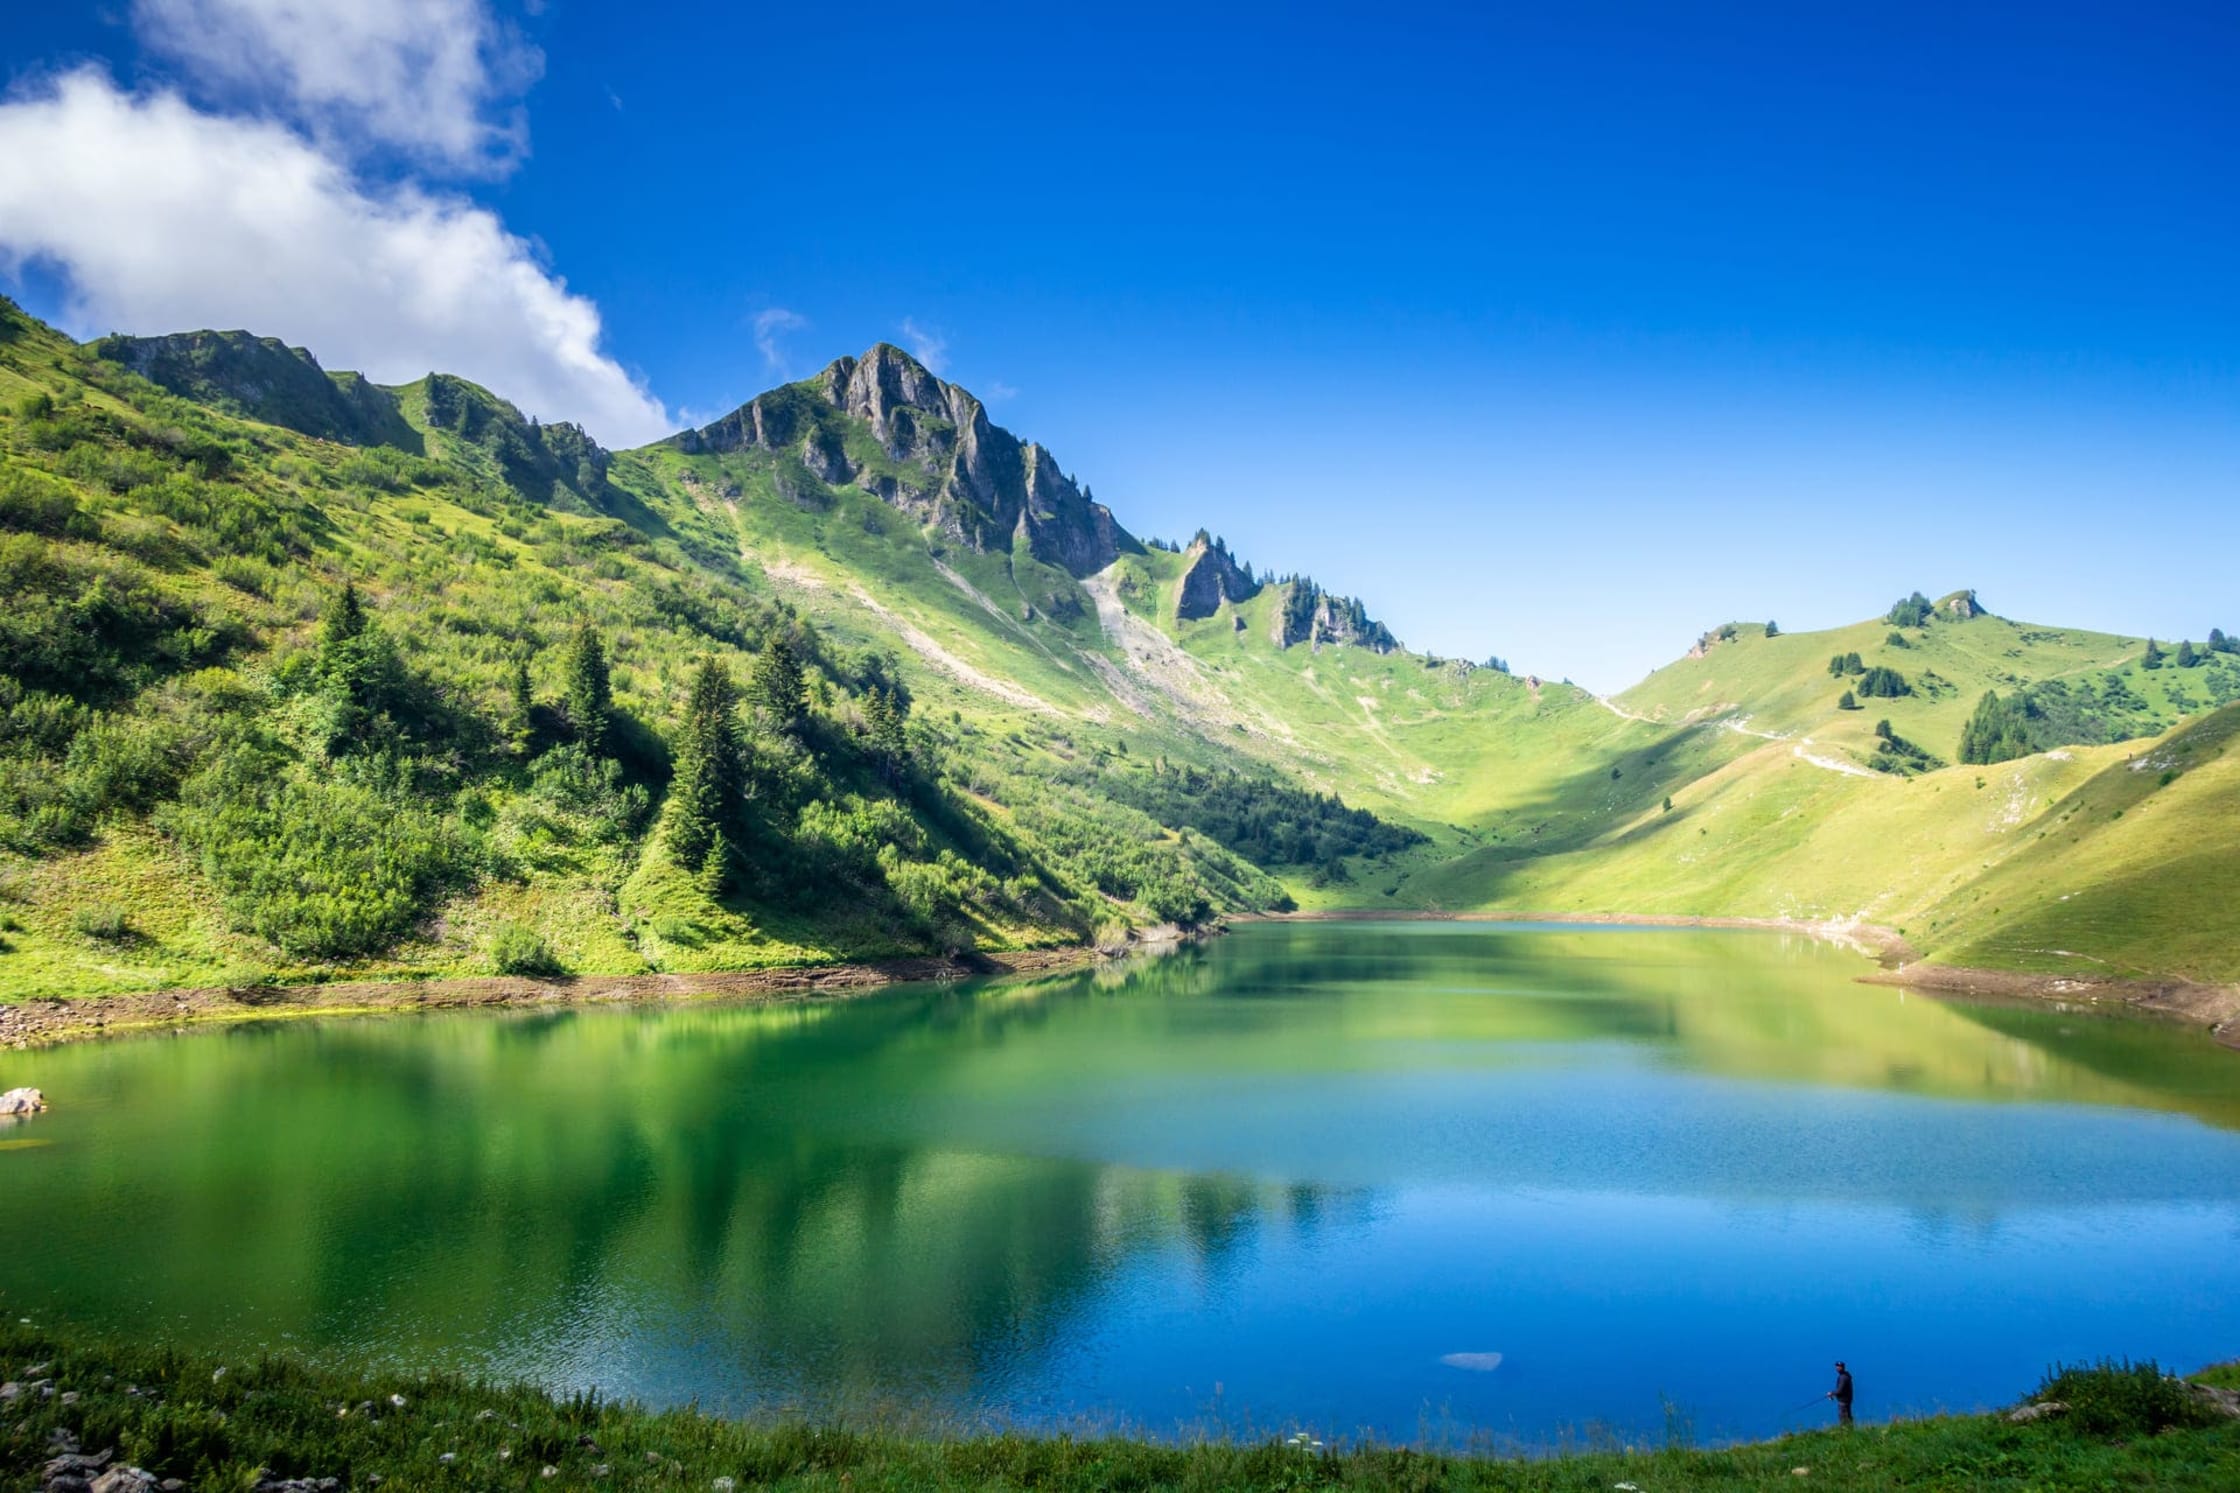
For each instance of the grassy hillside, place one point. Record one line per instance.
(1011, 722)
(2133, 874)
(199, 784)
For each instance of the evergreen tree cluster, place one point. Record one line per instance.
(1896, 755)
(1267, 822)
(1881, 683)
(1999, 731)
(1913, 611)
(1846, 663)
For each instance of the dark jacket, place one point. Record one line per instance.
(1843, 1386)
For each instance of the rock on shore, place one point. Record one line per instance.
(22, 1102)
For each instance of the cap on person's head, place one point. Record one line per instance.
(1839, 1363)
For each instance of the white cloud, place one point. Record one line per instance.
(770, 328)
(438, 79)
(164, 218)
(999, 391)
(929, 347)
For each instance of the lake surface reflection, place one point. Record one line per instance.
(1426, 1181)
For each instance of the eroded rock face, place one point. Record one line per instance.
(1210, 576)
(1309, 614)
(22, 1102)
(970, 479)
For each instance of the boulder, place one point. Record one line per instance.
(2041, 1410)
(22, 1102)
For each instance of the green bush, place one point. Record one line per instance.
(515, 950)
(104, 922)
(2122, 1398)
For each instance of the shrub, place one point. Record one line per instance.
(2112, 1398)
(105, 922)
(322, 866)
(515, 950)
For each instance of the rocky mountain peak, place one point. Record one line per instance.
(944, 462)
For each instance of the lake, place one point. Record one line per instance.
(1459, 1183)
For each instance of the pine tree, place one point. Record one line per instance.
(357, 672)
(590, 696)
(2152, 658)
(2187, 658)
(2219, 643)
(1848, 702)
(711, 773)
(1773, 629)
(345, 619)
(521, 713)
(885, 713)
(778, 686)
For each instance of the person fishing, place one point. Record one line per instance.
(1841, 1394)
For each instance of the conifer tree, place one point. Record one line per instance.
(345, 619)
(2187, 658)
(1773, 629)
(1848, 702)
(885, 712)
(2152, 658)
(711, 774)
(778, 686)
(590, 695)
(357, 672)
(521, 711)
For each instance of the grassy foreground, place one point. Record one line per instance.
(227, 1425)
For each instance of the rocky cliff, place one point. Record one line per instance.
(557, 464)
(262, 378)
(1309, 614)
(1210, 576)
(883, 423)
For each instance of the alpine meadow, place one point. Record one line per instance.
(1158, 749)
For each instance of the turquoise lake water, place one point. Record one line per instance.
(1490, 1184)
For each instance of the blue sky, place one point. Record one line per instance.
(1559, 333)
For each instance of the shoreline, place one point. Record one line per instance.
(1871, 939)
(2214, 1007)
(79, 1402)
(55, 1020)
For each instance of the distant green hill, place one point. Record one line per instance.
(882, 677)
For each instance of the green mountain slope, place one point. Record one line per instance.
(1009, 721)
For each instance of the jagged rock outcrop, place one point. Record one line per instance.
(263, 378)
(557, 464)
(931, 452)
(1309, 614)
(1960, 606)
(1210, 576)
